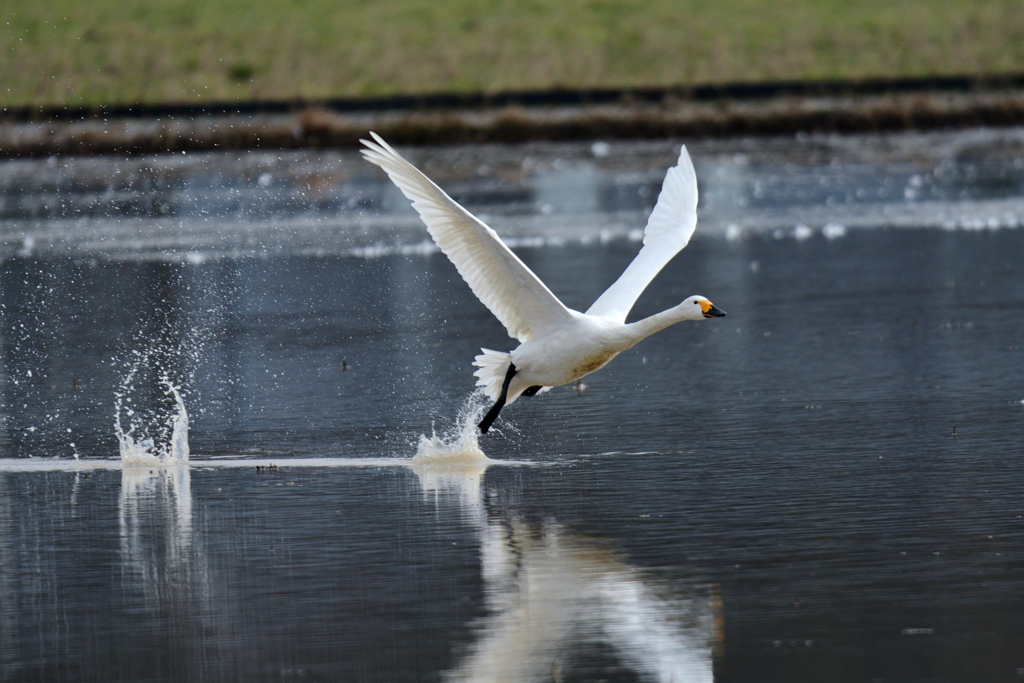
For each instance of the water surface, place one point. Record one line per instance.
(824, 485)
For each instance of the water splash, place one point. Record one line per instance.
(147, 451)
(460, 444)
(452, 465)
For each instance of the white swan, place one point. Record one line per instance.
(557, 344)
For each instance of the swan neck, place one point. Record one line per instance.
(641, 329)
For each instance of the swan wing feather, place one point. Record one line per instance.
(502, 282)
(669, 228)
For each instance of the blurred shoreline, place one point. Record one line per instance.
(557, 115)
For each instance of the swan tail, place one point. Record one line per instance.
(493, 365)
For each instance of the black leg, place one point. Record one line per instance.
(530, 391)
(492, 414)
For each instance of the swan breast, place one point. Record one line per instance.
(578, 350)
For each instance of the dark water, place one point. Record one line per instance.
(824, 485)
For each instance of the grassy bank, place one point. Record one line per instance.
(121, 51)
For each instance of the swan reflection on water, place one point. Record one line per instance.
(460, 482)
(556, 604)
(559, 603)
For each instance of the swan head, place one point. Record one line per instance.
(698, 307)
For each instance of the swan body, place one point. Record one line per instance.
(557, 344)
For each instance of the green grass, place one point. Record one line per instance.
(121, 51)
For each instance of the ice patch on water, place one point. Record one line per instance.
(421, 248)
(459, 445)
(833, 231)
(146, 451)
(28, 244)
(600, 149)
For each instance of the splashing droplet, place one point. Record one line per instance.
(147, 452)
(460, 444)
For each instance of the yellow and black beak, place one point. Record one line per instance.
(710, 311)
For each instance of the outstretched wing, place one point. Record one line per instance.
(668, 230)
(510, 290)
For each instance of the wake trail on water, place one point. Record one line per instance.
(459, 444)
